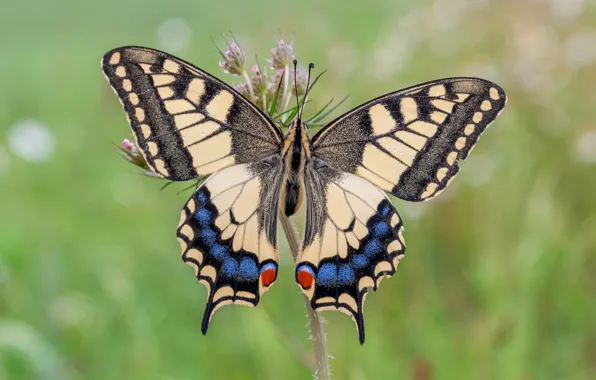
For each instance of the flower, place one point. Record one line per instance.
(242, 88)
(234, 59)
(259, 79)
(282, 54)
(128, 146)
(131, 153)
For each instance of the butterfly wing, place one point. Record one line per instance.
(186, 122)
(353, 239)
(227, 232)
(408, 142)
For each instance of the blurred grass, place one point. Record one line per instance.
(499, 278)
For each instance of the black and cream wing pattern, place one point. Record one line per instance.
(186, 122)
(353, 239)
(227, 232)
(189, 124)
(406, 143)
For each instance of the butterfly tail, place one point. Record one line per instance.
(207, 315)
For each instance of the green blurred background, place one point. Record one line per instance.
(500, 277)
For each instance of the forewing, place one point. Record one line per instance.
(408, 142)
(227, 232)
(186, 122)
(353, 239)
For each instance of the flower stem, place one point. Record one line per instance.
(316, 323)
(286, 95)
(249, 85)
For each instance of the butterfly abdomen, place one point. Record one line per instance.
(295, 153)
(292, 191)
(292, 196)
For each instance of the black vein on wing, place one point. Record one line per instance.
(189, 73)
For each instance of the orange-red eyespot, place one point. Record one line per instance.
(268, 274)
(305, 276)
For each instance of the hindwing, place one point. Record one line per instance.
(408, 142)
(227, 232)
(186, 122)
(353, 239)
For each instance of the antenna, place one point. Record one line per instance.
(310, 67)
(296, 87)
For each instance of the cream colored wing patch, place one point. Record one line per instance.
(408, 142)
(186, 122)
(353, 240)
(227, 233)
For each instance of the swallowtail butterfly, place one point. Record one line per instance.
(189, 124)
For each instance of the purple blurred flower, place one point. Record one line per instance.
(282, 54)
(234, 59)
(128, 146)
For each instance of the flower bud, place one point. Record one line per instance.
(128, 146)
(242, 88)
(258, 79)
(282, 54)
(234, 59)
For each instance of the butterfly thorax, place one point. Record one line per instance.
(296, 151)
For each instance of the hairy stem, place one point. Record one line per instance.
(316, 324)
(286, 94)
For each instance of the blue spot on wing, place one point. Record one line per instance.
(202, 196)
(306, 268)
(248, 269)
(229, 267)
(345, 274)
(381, 229)
(209, 236)
(203, 216)
(268, 266)
(372, 248)
(359, 261)
(385, 210)
(327, 275)
(219, 251)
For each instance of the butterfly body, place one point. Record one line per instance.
(296, 152)
(189, 124)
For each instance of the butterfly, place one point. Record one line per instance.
(189, 124)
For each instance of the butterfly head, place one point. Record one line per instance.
(298, 125)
